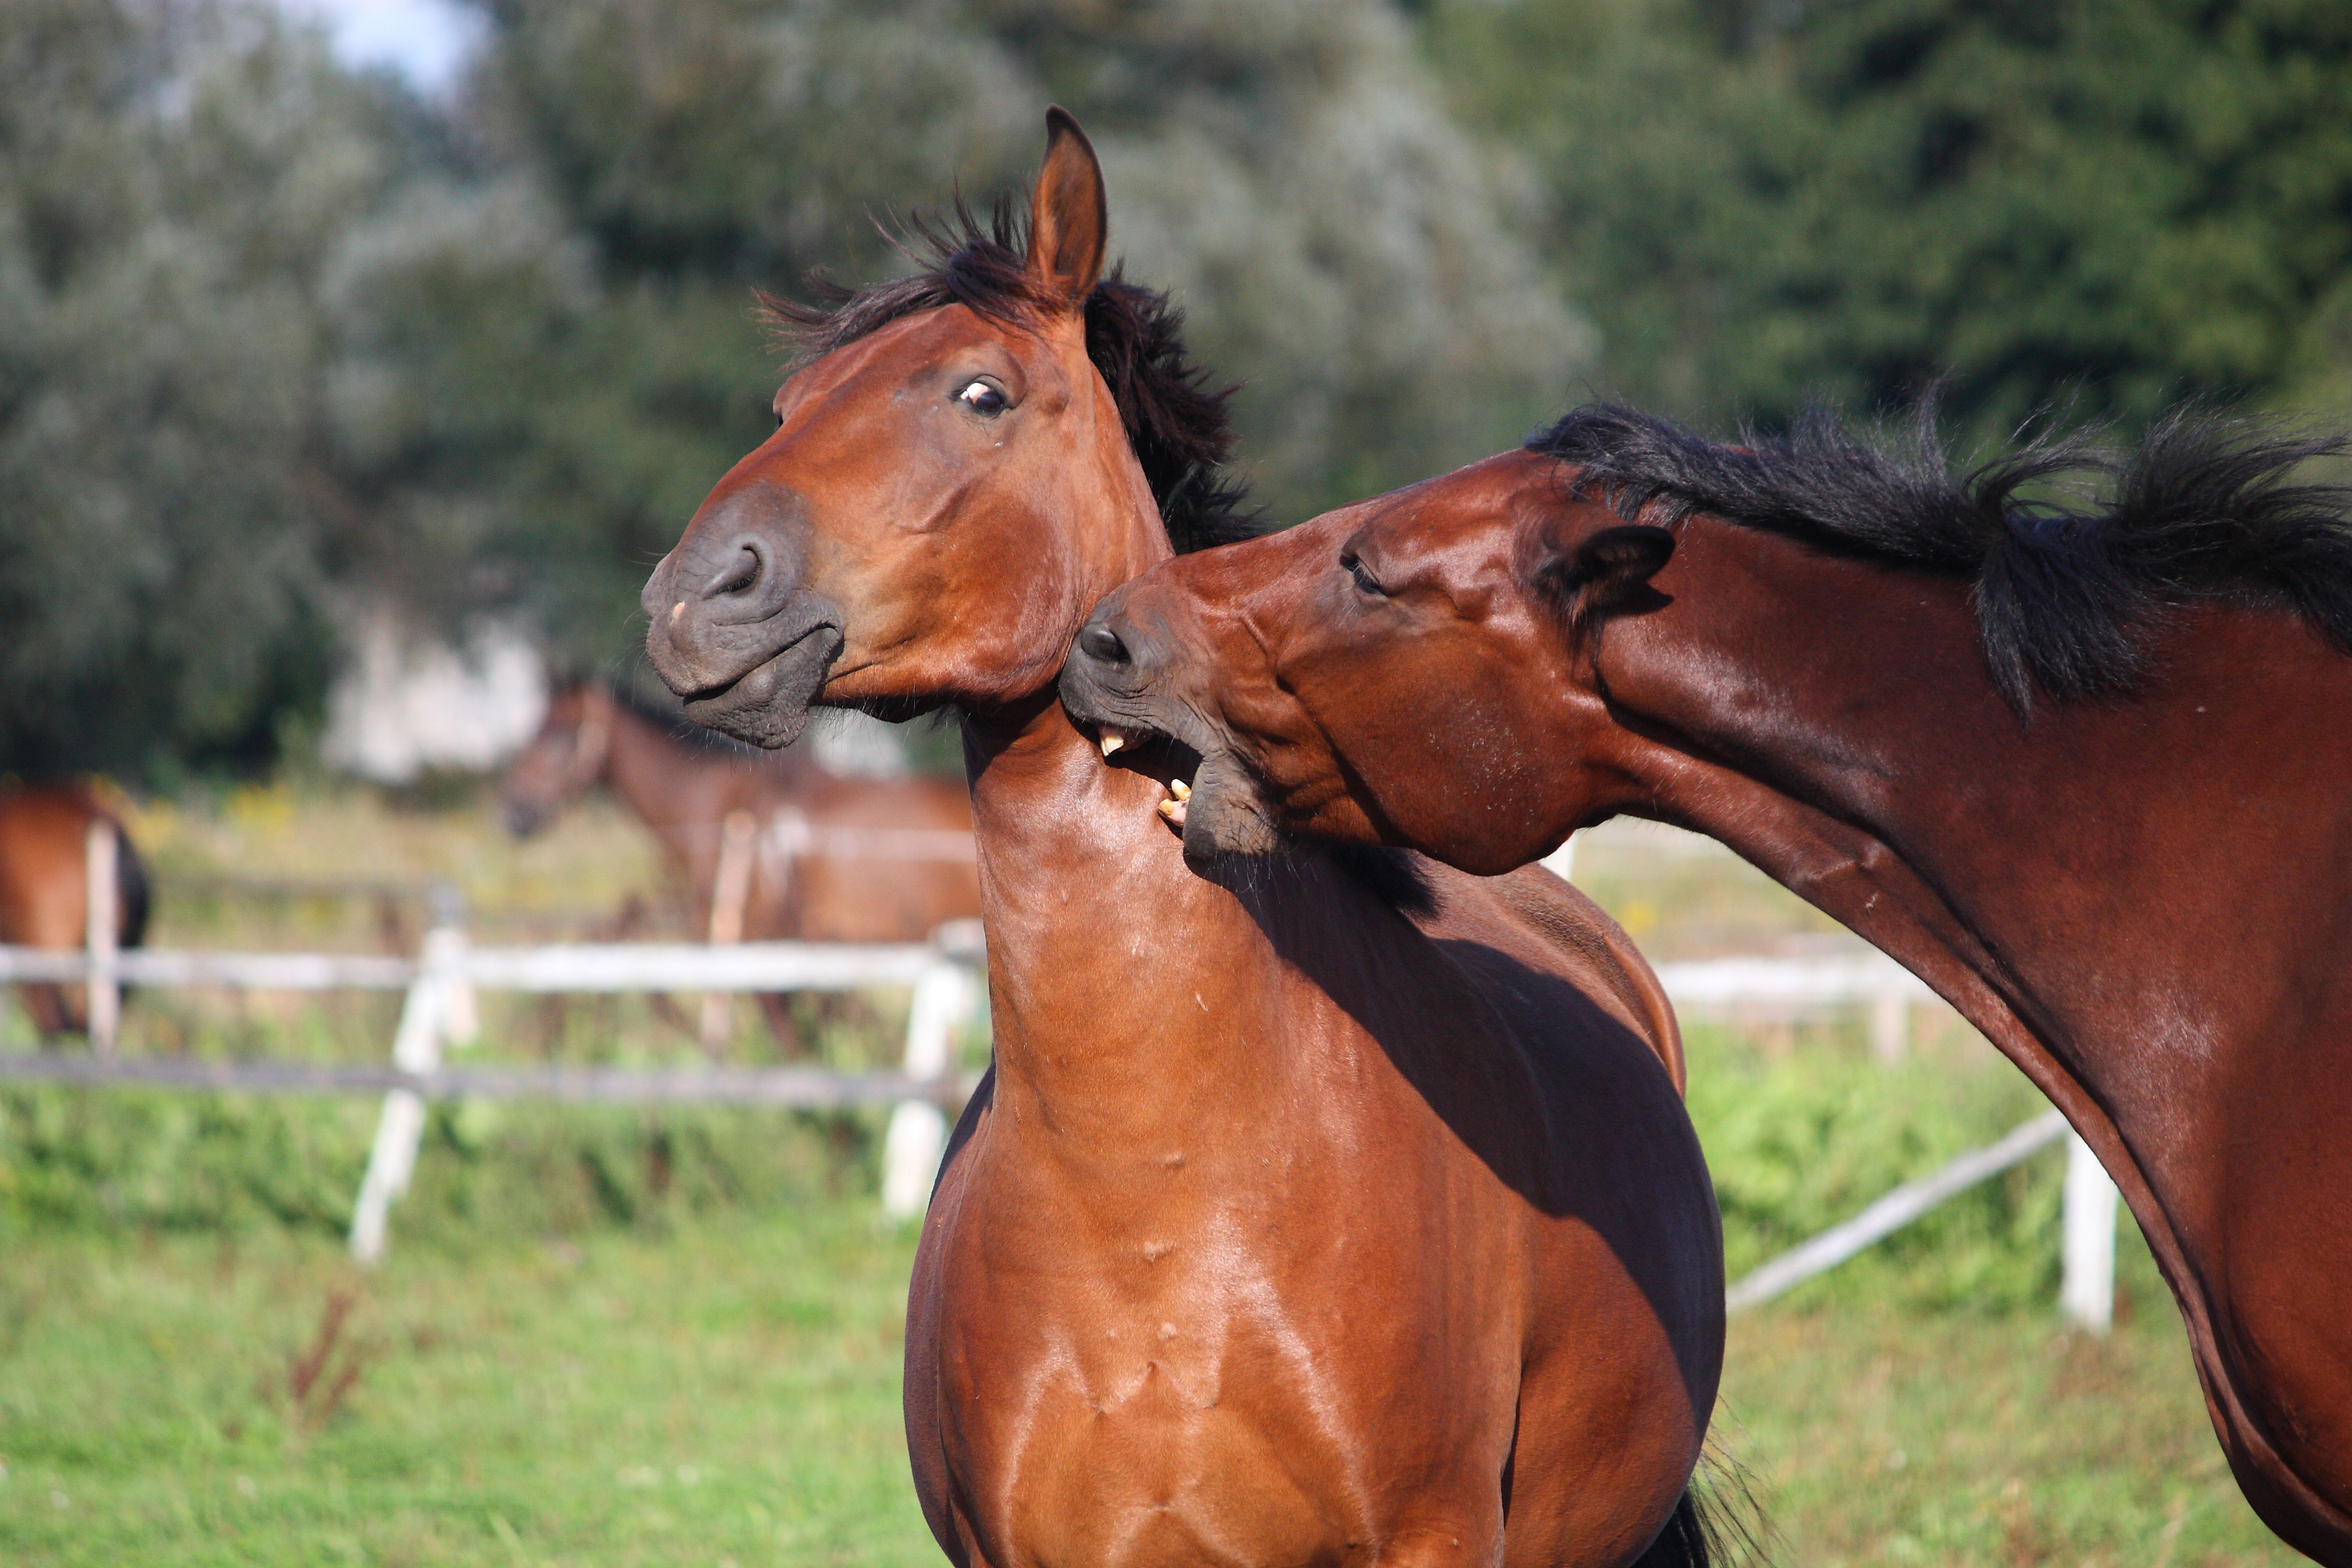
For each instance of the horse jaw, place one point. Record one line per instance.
(769, 706)
(1223, 817)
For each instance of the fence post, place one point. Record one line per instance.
(1890, 1026)
(2086, 1285)
(102, 930)
(445, 948)
(731, 889)
(425, 1019)
(918, 1128)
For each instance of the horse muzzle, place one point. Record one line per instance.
(1112, 684)
(733, 629)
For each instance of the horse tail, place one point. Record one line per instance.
(133, 893)
(1685, 1541)
(1718, 1523)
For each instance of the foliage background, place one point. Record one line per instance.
(281, 344)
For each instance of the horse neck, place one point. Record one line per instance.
(2066, 882)
(2140, 899)
(1114, 973)
(663, 780)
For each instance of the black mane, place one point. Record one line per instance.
(2199, 510)
(1176, 424)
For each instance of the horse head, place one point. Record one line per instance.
(950, 485)
(570, 752)
(1346, 680)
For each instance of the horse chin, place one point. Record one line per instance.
(1225, 819)
(769, 706)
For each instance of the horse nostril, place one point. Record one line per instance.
(738, 574)
(1099, 642)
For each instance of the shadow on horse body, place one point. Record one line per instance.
(45, 887)
(2083, 771)
(1322, 1214)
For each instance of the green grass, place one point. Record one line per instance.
(673, 1336)
(725, 1392)
(1880, 1436)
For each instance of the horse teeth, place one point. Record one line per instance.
(1111, 741)
(1173, 810)
(1180, 789)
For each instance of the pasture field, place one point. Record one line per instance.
(626, 1337)
(726, 1391)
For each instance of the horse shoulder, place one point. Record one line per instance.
(922, 1391)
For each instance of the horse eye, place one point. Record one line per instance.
(1364, 579)
(982, 397)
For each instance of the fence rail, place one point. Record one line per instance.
(1892, 1213)
(815, 1089)
(1791, 982)
(568, 967)
(439, 1009)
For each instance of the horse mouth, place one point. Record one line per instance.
(768, 705)
(1217, 808)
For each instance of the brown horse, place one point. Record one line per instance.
(1342, 1212)
(832, 859)
(44, 886)
(2082, 771)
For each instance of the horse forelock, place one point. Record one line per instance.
(2199, 510)
(1177, 424)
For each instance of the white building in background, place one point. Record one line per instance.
(843, 741)
(405, 706)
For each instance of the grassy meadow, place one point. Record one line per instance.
(609, 1336)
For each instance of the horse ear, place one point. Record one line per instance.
(1606, 571)
(1069, 217)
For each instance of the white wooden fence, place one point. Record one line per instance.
(2087, 1241)
(438, 1013)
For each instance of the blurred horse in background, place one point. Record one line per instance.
(45, 891)
(770, 848)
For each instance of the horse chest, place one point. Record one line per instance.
(1211, 1398)
(1145, 1444)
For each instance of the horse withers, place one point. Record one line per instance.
(44, 886)
(1340, 1212)
(2081, 769)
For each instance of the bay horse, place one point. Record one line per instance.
(44, 886)
(2085, 767)
(824, 856)
(835, 857)
(1342, 1212)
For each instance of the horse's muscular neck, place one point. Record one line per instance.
(1864, 760)
(1075, 865)
(2058, 881)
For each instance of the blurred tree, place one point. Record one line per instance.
(174, 180)
(551, 353)
(2110, 203)
(281, 349)
(1345, 251)
(1359, 264)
